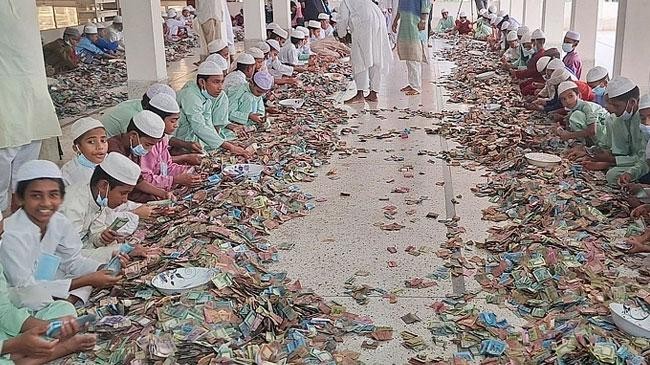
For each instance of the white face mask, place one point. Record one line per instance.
(645, 129)
(626, 115)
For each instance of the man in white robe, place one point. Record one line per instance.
(213, 22)
(371, 51)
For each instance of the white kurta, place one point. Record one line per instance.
(370, 44)
(233, 80)
(277, 69)
(73, 173)
(289, 54)
(89, 220)
(21, 249)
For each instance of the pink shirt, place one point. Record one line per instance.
(573, 62)
(158, 168)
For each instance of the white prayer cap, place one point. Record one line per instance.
(246, 59)
(191, 8)
(219, 60)
(502, 13)
(38, 169)
(304, 30)
(335, 17)
(619, 85)
(172, 13)
(263, 80)
(209, 68)
(483, 11)
(596, 74)
(274, 44)
(149, 123)
(323, 16)
(555, 64)
(264, 47)
(505, 25)
(158, 88)
(271, 26)
(573, 35)
(297, 34)
(644, 102)
(165, 103)
(314, 24)
(522, 30)
(512, 28)
(443, 11)
(559, 75)
(511, 36)
(526, 38)
(492, 9)
(163, 14)
(117, 19)
(90, 29)
(281, 32)
(496, 20)
(186, 8)
(217, 45)
(542, 63)
(462, 15)
(84, 125)
(538, 34)
(121, 168)
(255, 52)
(566, 85)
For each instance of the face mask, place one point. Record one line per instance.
(645, 129)
(83, 161)
(529, 52)
(102, 202)
(599, 90)
(626, 115)
(138, 150)
(567, 47)
(206, 94)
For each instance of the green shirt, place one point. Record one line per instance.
(243, 103)
(626, 142)
(198, 115)
(117, 118)
(594, 114)
(11, 318)
(445, 24)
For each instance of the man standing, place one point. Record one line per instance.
(213, 22)
(60, 55)
(311, 9)
(371, 52)
(412, 38)
(27, 114)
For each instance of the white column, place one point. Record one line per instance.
(584, 19)
(631, 53)
(517, 10)
(533, 14)
(282, 13)
(553, 22)
(254, 22)
(144, 45)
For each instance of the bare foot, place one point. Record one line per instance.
(356, 99)
(412, 92)
(372, 97)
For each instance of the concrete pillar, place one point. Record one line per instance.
(533, 14)
(584, 19)
(144, 45)
(254, 22)
(631, 53)
(282, 13)
(517, 10)
(553, 22)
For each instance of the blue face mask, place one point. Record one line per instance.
(138, 150)
(645, 129)
(206, 94)
(567, 47)
(102, 202)
(599, 90)
(85, 162)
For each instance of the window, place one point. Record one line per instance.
(51, 17)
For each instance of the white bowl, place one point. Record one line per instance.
(631, 322)
(183, 279)
(486, 75)
(292, 103)
(243, 170)
(345, 59)
(542, 159)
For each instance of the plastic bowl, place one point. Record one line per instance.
(543, 159)
(292, 103)
(177, 281)
(631, 322)
(243, 170)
